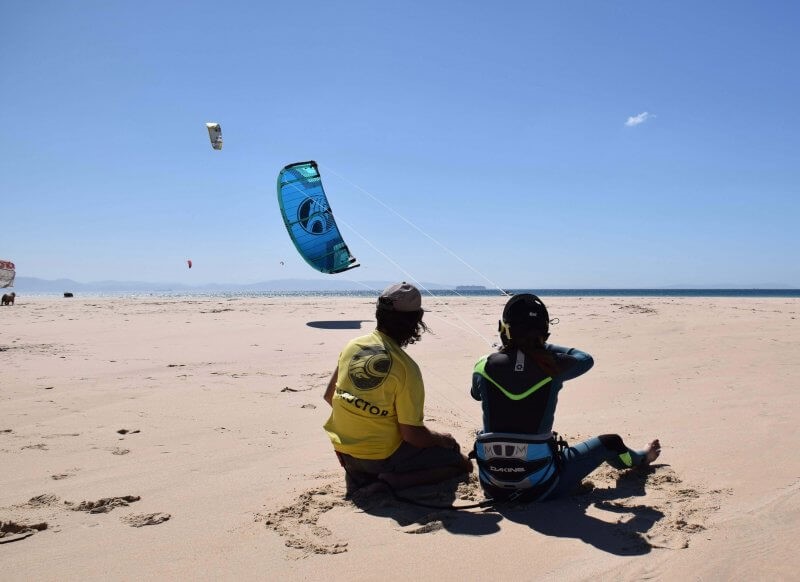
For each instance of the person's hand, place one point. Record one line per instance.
(448, 442)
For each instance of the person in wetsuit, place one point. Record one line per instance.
(518, 387)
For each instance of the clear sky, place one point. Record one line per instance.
(546, 144)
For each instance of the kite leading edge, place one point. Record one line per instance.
(309, 219)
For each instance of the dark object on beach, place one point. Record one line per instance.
(68, 294)
(11, 531)
(8, 298)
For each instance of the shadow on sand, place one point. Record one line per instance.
(414, 519)
(346, 324)
(620, 533)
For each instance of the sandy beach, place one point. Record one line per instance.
(181, 439)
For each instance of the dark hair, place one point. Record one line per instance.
(404, 327)
(531, 343)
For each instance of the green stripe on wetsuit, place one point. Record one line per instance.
(626, 459)
(480, 368)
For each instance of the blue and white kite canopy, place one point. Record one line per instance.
(309, 219)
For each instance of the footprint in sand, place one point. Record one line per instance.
(298, 523)
(143, 519)
(44, 500)
(678, 512)
(105, 504)
(429, 527)
(60, 476)
(39, 447)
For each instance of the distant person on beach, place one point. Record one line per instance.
(377, 396)
(518, 454)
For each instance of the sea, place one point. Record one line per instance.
(558, 293)
(762, 293)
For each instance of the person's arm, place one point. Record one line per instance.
(477, 380)
(422, 437)
(475, 390)
(571, 361)
(331, 387)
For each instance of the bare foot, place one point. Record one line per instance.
(651, 452)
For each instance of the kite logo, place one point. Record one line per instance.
(369, 367)
(314, 215)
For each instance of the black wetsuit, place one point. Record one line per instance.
(519, 396)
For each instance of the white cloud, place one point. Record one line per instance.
(638, 119)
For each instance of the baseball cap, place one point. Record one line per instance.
(400, 297)
(526, 311)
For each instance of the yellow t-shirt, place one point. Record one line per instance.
(378, 386)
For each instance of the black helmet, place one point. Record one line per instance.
(524, 313)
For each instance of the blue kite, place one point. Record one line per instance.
(309, 219)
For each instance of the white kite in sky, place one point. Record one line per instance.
(215, 134)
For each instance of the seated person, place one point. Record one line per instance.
(377, 396)
(518, 387)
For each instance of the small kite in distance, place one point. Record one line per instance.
(215, 135)
(189, 262)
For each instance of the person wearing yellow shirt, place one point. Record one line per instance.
(377, 399)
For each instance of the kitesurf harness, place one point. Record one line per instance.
(520, 467)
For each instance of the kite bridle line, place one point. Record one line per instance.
(417, 228)
(420, 286)
(407, 274)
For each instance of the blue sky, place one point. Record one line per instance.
(559, 144)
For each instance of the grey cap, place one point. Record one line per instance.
(400, 297)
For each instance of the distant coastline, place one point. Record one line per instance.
(333, 287)
(315, 288)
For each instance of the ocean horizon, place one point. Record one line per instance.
(632, 292)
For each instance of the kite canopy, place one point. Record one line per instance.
(215, 135)
(309, 219)
(7, 274)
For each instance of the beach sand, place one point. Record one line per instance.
(181, 438)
